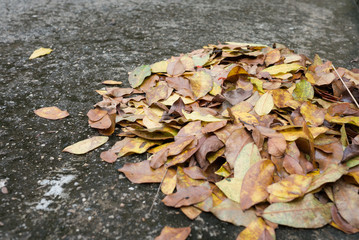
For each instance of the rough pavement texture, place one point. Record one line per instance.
(55, 195)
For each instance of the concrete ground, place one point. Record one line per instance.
(55, 195)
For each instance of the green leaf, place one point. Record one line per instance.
(306, 212)
(303, 91)
(138, 75)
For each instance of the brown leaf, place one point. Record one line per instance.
(210, 144)
(103, 123)
(142, 172)
(187, 196)
(230, 211)
(272, 57)
(109, 156)
(175, 67)
(96, 114)
(234, 144)
(52, 113)
(191, 212)
(341, 223)
(238, 95)
(169, 233)
(277, 145)
(195, 172)
(255, 182)
(213, 126)
(346, 199)
(169, 182)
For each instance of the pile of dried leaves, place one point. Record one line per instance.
(258, 136)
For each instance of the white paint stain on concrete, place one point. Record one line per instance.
(56, 190)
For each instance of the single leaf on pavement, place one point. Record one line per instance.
(255, 182)
(40, 52)
(52, 113)
(138, 75)
(86, 145)
(306, 212)
(142, 172)
(230, 211)
(169, 233)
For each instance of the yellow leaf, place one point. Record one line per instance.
(258, 83)
(312, 114)
(40, 52)
(231, 187)
(169, 182)
(255, 230)
(194, 116)
(174, 97)
(111, 82)
(201, 83)
(289, 188)
(264, 104)
(216, 89)
(135, 145)
(248, 118)
(283, 68)
(86, 145)
(159, 67)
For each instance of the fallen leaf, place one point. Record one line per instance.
(303, 91)
(111, 82)
(346, 199)
(331, 174)
(306, 212)
(201, 83)
(248, 156)
(256, 230)
(159, 67)
(138, 75)
(312, 114)
(86, 145)
(187, 196)
(52, 113)
(40, 52)
(234, 144)
(169, 233)
(169, 182)
(231, 187)
(230, 211)
(142, 172)
(283, 68)
(175, 67)
(289, 188)
(255, 182)
(264, 105)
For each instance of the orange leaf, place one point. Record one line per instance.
(169, 233)
(52, 113)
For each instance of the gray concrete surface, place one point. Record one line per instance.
(55, 195)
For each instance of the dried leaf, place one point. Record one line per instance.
(303, 91)
(312, 114)
(306, 212)
(255, 230)
(138, 75)
(248, 156)
(230, 211)
(231, 187)
(346, 199)
(111, 82)
(255, 182)
(201, 83)
(169, 233)
(187, 196)
(86, 145)
(40, 52)
(264, 105)
(142, 172)
(331, 174)
(52, 113)
(159, 67)
(283, 68)
(289, 188)
(234, 144)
